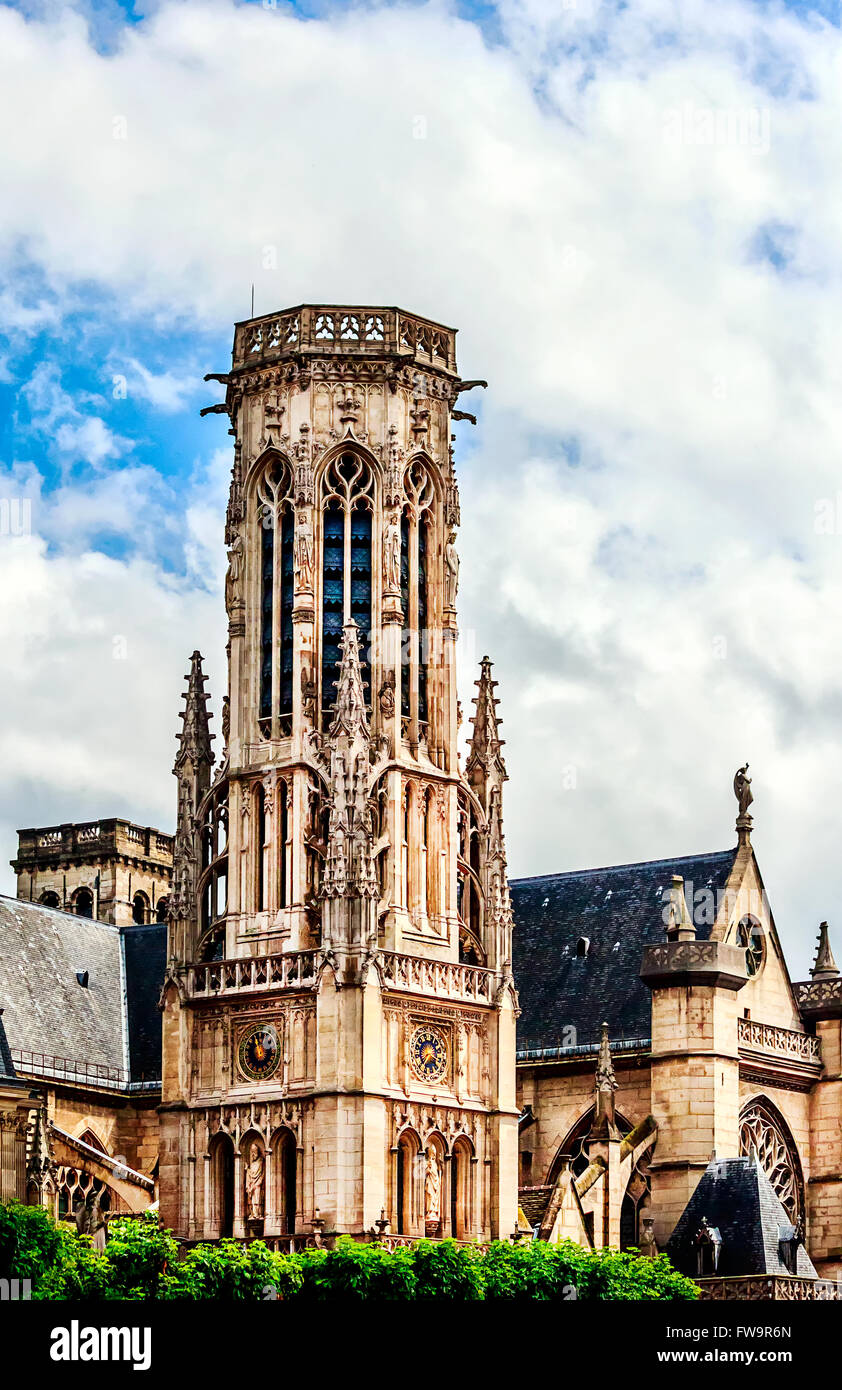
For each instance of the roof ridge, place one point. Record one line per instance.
(57, 911)
(634, 864)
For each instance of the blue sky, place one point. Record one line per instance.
(632, 215)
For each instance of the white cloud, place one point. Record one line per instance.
(609, 281)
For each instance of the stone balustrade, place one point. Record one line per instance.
(785, 1042)
(290, 970)
(335, 329)
(416, 974)
(766, 1288)
(298, 970)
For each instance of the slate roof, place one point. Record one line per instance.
(533, 1202)
(112, 1021)
(619, 910)
(7, 1069)
(736, 1197)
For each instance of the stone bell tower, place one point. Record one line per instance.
(339, 1010)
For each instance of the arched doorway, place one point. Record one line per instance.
(461, 1190)
(409, 1146)
(284, 1180)
(222, 1185)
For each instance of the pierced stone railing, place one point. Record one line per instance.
(291, 970)
(768, 1288)
(334, 328)
(416, 974)
(785, 1042)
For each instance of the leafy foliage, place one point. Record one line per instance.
(143, 1261)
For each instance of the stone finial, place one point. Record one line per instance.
(605, 1084)
(194, 741)
(484, 754)
(743, 793)
(680, 926)
(824, 967)
(350, 715)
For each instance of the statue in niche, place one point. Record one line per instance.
(451, 578)
(233, 577)
(742, 790)
(392, 557)
(255, 1173)
(303, 551)
(308, 694)
(432, 1188)
(387, 695)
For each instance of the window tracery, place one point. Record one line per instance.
(347, 491)
(762, 1131)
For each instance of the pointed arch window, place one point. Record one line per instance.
(347, 504)
(416, 550)
(276, 597)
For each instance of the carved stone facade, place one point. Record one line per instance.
(339, 1005)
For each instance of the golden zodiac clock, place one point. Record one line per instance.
(428, 1054)
(259, 1052)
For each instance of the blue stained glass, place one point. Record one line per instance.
(267, 567)
(287, 602)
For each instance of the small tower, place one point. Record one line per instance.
(694, 986)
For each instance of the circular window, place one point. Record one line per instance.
(750, 937)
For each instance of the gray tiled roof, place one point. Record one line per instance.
(737, 1198)
(619, 910)
(49, 1012)
(7, 1069)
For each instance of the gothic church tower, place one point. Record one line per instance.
(339, 1010)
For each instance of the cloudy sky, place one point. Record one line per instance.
(631, 211)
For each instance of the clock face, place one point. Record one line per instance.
(259, 1053)
(428, 1053)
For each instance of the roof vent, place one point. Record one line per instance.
(82, 978)
(583, 946)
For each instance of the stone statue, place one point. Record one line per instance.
(235, 568)
(392, 557)
(451, 578)
(742, 790)
(387, 695)
(648, 1244)
(226, 718)
(255, 1173)
(308, 694)
(303, 551)
(432, 1188)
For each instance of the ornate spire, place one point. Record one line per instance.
(605, 1084)
(194, 741)
(350, 869)
(485, 761)
(350, 715)
(825, 966)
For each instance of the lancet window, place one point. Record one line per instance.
(276, 521)
(347, 506)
